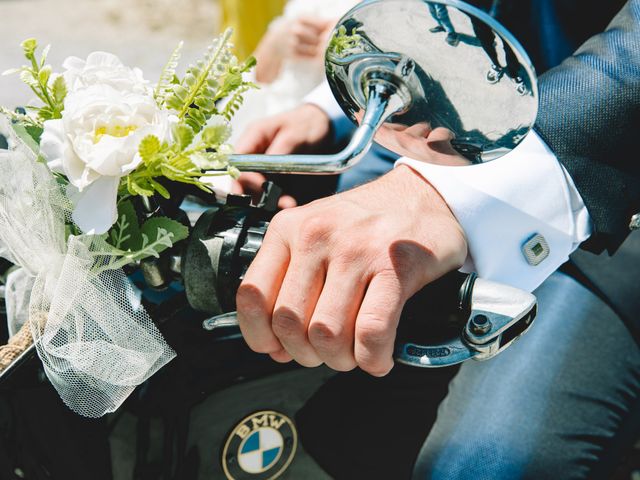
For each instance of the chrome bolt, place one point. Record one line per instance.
(480, 325)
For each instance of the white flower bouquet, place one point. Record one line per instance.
(76, 171)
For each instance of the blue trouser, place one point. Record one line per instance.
(441, 15)
(560, 403)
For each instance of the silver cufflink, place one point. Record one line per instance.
(635, 222)
(535, 250)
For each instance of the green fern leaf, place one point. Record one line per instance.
(168, 74)
(204, 102)
(190, 79)
(217, 54)
(181, 92)
(192, 123)
(173, 102)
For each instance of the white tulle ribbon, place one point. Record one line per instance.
(17, 295)
(95, 344)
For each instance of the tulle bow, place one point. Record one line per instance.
(95, 340)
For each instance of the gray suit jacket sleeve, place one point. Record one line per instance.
(590, 117)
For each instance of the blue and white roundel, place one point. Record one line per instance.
(260, 447)
(260, 450)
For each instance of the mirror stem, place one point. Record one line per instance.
(383, 100)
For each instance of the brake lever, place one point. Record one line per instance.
(498, 315)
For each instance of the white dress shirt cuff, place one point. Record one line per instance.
(503, 204)
(323, 98)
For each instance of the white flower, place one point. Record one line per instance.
(103, 68)
(96, 142)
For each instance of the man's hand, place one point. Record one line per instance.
(420, 142)
(302, 38)
(302, 130)
(306, 37)
(332, 277)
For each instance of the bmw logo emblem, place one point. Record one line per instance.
(260, 447)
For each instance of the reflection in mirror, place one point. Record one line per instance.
(469, 86)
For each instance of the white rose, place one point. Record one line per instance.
(101, 68)
(96, 143)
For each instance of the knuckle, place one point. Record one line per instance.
(281, 219)
(346, 259)
(328, 336)
(314, 230)
(287, 324)
(373, 333)
(407, 257)
(374, 337)
(250, 300)
(393, 290)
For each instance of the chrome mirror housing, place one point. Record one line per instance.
(407, 67)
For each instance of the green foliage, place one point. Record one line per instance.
(342, 43)
(184, 160)
(59, 90)
(183, 135)
(125, 234)
(217, 76)
(148, 148)
(168, 75)
(236, 100)
(198, 142)
(197, 147)
(37, 75)
(30, 135)
(165, 231)
(29, 47)
(216, 134)
(128, 242)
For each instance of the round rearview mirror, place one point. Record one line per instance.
(403, 68)
(450, 64)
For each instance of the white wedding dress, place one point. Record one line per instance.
(297, 78)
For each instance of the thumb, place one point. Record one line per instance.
(440, 140)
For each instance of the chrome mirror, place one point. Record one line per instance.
(407, 67)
